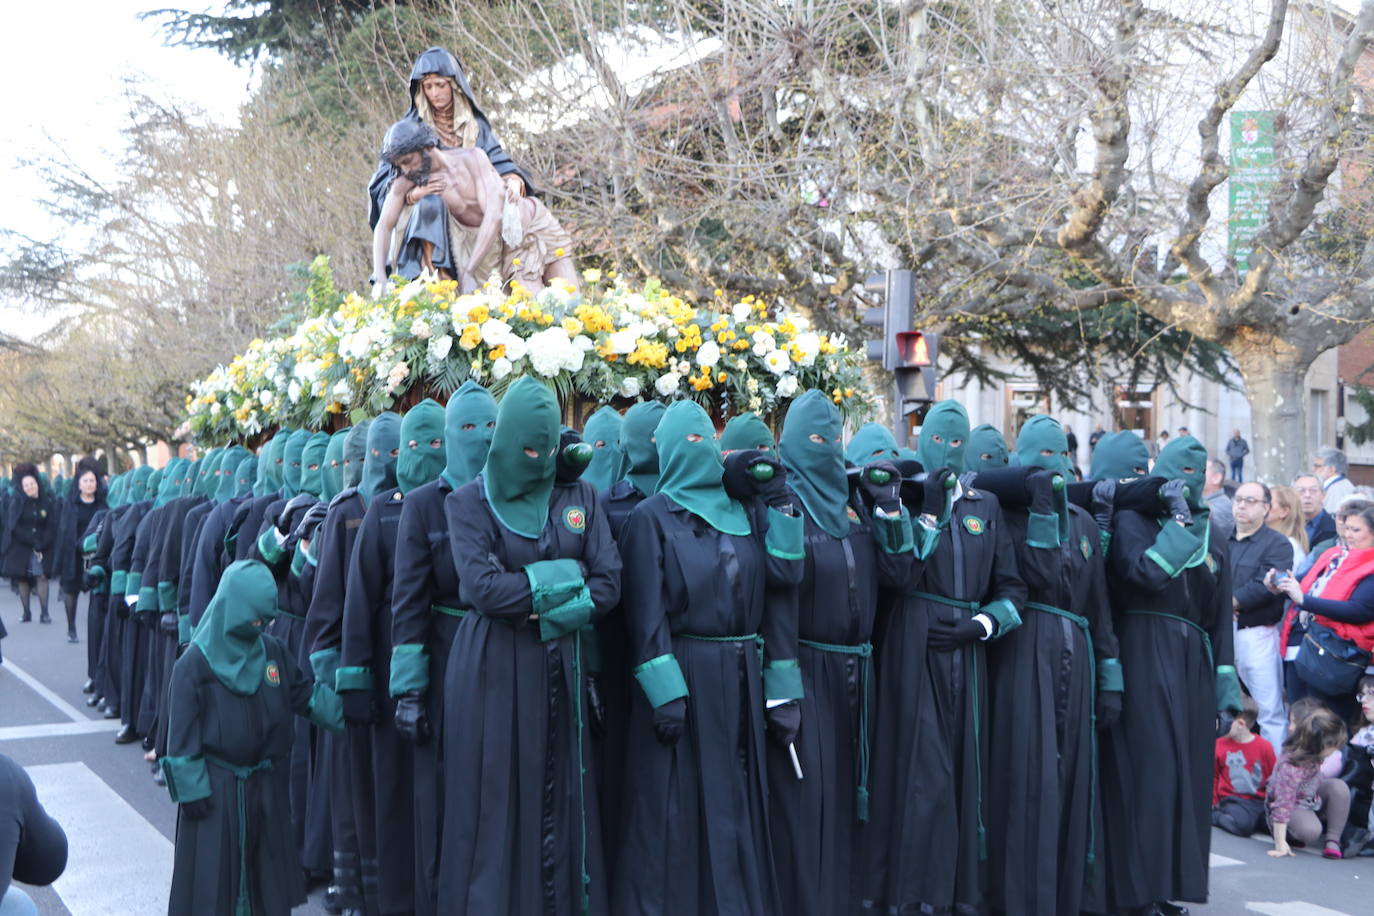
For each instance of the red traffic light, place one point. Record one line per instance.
(913, 349)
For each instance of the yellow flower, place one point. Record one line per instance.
(612, 274)
(849, 392)
(719, 293)
(591, 275)
(701, 382)
(471, 336)
(189, 400)
(334, 407)
(557, 253)
(741, 345)
(479, 314)
(572, 326)
(680, 346)
(721, 377)
(515, 262)
(497, 352)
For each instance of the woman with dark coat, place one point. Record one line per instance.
(30, 526)
(84, 500)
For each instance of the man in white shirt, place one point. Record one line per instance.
(1330, 466)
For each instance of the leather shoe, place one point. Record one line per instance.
(1165, 908)
(147, 742)
(88, 687)
(126, 735)
(94, 699)
(45, 618)
(111, 712)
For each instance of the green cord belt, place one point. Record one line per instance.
(1206, 639)
(1084, 626)
(242, 906)
(450, 611)
(941, 599)
(864, 651)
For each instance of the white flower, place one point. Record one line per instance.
(216, 409)
(516, 348)
(666, 383)
(740, 311)
(751, 384)
(672, 332)
(500, 368)
(421, 329)
(800, 322)
(810, 345)
(623, 341)
(495, 332)
(787, 386)
(777, 362)
(552, 352)
(763, 339)
(440, 346)
(583, 342)
(742, 364)
(293, 391)
(683, 367)
(266, 397)
(341, 391)
(629, 387)
(709, 354)
(411, 289)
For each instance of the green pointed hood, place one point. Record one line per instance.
(355, 454)
(987, 440)
(275, 453)
(423, 425)
(603, 427)
(115, 497)
(1120, 456)
(947, 421)
(379, 466)
(873, 442)
(637, 428)
(262, 484)
(230, 632)
(206, 481)
(245, 475)
(816, 469)
(690, 473)
(154, 489)
(234, 455)
(747, 431)
(138, 484)
(292, 464)
(1039, 434)
(469, 421)
(333, 466)
(170, 484)
(312, 464)
(1185, 459)
(518, 486)
(188, 480)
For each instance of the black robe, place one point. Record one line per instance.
(925, 838)
(522, 836)
(74, 518)
(99, 601)
(212, 555)
(117, 616)
(1157, 762)
(695, 837)
(170, 567)
(1043, 813)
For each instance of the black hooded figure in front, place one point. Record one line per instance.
(424, 241)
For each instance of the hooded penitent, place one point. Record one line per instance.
(138, 484)
(333, 465)
(274, 455)
(987, 450)
(816, 469)
(746, 431)
(518, 485)
(945, 425)
(115, 499)
(355, 454)
(292, 463)
(170, 485)
(690, 468)
(1120, 456)
(1041, 434)
(379, 466)
(420, 462)
(229, 634)
(206, 479)
(312, 464)
(262, 482)
(872, 442)
(602, 433)
(189, 478)
(234, 455)
(1184, 459)
(469, 421)
(637, 442)
(244, 477)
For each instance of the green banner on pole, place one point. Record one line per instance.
(1253, 176)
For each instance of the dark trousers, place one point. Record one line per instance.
(1241, 816)
(1236, 465)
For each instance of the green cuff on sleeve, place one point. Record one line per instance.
(1228, 690)
(784, 538)
(326, 709)
(88, 543)
(132, 583)
(409, 669)
(661, 679)
(166, 597)
(893, 534)
(926, 538)
(782, 680)
(1042, 531)
(268, 548)
(352, 677)
(187, 778)
(1109, 677)
(325, 663)
(1004, 614)
(1173, 547)
(147, 599)
(553, 583)
(117, 581)
(568, 617)
(96, 574)
(299, 560)
(183, 629)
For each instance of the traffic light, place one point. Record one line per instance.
(893, 316)
(917, 352)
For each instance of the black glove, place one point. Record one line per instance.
(1224, 720)
(167, 623)
(935, 493)
(1108, 708)
(196, 810)
(309, 522)
(1171, 494)
(596, 708)
(784, 721)
(290, 514)
(747, 476)
(574, 457)
(411, 719)
(886, 496)
(948, 635)
(1040, 484)
(670, 720)
(358, 707)
(1104, 504)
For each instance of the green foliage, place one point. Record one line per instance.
(247, 30)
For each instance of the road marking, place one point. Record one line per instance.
(1294, 908)
(118, 863)
(67, 709)
(1217, 861)
(58, 729)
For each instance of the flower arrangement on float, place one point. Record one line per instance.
(610, 341)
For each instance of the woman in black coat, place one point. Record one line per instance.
(84, 500)
(29, 529)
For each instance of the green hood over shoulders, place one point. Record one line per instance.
(1040, 434)
(986, 439)
(170, 484)
(469, 422)
(947, 421)
(333, 465)
(138, 484)
(518, 486)
(208, 478)
(234, 455)
(1120, 456)
(355, 454)
(423, 425)
(292, 463)
(602, 433)
(871, 442)
(1185, 459)
(690, 472)
(312, 464)
(275, 454)
(640, 465)
(816, 469)
(230, 632)
(262, 484)
(746, 431)
(379, 466)
(245, 475)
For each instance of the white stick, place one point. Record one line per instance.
(796, 764)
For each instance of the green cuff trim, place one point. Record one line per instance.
(1109, 676)
(893, 534)
(166, 597)
(1106, 539)
(553, 583)
(1173, 548)
(147, 599)
(96, 573)
(187, 778)
(352, 677)
(132, 583)
(661, 679)
(183, 629)
(117, 581)
(88, 543)
(1042, 531)
(1228, 690)
(568, 617)
(326, 709)
(782, 680)
(409, 669)
(326, 664)
(926, 540)
(784, 538)
(298, 561)
(1004, 614)
(268, 547)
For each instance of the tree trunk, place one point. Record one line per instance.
(1275, 380)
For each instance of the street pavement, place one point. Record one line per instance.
(121, 826)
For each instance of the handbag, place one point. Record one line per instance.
(1330, 664)
(35, 565)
